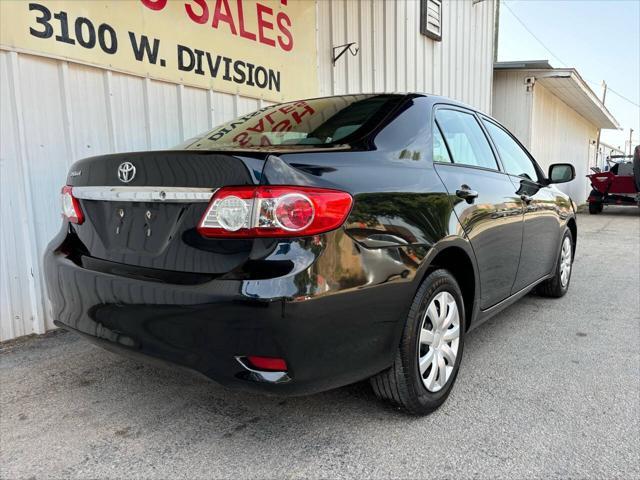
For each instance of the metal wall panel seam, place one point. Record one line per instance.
(147, 110)
(399, 56)
(375, 80)
(347, 39)
(408, 82)
(67, 124)
(318, 42)
(32, 259)
(210, 109)
(420, 53)
(181, 112)
(10, 308)
(108, 94)
(488, 28)
(331, 45)
(459, 22)
(384, 47)
(360, 44)
(473, 53)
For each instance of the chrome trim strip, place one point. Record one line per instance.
(144, 194)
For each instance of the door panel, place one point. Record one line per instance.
(493, 224)
(541, 219)
(541, 232)
(485, 200)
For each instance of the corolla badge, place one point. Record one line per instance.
(126, 172)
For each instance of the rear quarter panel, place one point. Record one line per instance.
(401, 217)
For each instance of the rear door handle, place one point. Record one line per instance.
(466, 193)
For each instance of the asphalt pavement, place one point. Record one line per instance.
(548, 388)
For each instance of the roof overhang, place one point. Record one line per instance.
(568, 86)
(523, 65)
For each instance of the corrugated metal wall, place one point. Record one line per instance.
(54, 112)
(550, 129)
(394, 56)
(512, 104)
(560, 134)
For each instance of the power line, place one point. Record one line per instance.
(534, 35)
(623, 97)
(565, 64)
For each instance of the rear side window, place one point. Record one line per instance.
(514, 158)
(465, 138)
(440, 152)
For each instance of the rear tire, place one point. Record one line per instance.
(595, 205)
(433, 337)
(558, 285)
(595, 208)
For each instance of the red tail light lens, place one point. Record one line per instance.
(70, 206)
(268, 363)
(274, 211)
(294, 212)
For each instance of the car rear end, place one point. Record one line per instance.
(187, 256)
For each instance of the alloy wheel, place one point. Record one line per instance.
(439, 340)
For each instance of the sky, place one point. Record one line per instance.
(599, 38)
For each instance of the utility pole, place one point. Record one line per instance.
(631, 141)
(604, 96)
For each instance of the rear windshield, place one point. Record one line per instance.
(317, 122)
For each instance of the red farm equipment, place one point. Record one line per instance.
(619, 185)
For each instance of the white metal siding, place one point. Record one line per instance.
(551, 130)
(394, 56)
(54, 113)
(512, 104)
(560, 134)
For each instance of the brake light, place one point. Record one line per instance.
(267, 363)
(70, 206)
(274, 211)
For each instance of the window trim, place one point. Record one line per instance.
(541, 176)
(446, 146)
(446, 106)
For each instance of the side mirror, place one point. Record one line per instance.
(561, 173)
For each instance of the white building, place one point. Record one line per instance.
(554, 113)
(83, 84)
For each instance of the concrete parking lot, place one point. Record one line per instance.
(549, 388)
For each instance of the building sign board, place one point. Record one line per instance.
(257, 48)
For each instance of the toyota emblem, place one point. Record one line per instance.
(126, 172)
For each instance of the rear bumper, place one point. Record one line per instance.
(328, 339)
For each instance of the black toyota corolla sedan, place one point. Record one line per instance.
(313, 244)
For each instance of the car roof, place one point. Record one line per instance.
(434, 98)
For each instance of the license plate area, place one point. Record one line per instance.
(140, 227)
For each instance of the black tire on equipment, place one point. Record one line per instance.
(595, 208)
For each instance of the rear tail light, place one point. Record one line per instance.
(274, 211)
(70, 206)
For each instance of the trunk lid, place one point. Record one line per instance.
(142, 209)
